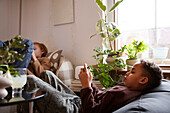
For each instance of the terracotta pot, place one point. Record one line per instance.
(130, 63)
(4, 83)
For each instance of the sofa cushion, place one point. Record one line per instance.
(54, 59)
(155, 101)
(61, 66)
(65, 71)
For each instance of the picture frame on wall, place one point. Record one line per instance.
(63, 11)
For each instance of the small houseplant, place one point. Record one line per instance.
(8, 55)
(102, 71)
(133, 50)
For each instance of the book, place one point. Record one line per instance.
(78, 83)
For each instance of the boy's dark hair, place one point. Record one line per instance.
(43, 48)
(154, 74)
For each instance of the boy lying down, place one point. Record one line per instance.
(144, 76)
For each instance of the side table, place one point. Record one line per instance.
(27, 96)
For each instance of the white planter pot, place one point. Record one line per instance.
(130, 63)
(4, 83)
(110, 59)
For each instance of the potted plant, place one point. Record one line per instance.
(8, 55)
(102, 70)
(107, 30)
(133, 50)
(112, 55)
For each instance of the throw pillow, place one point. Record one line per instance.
(54, 59)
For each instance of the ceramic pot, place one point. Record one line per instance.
(4, 83)
(130, 63)
(110, 59)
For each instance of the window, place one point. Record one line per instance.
(146, 20)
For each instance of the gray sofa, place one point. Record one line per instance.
(155, 101)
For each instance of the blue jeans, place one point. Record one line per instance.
(27, 51)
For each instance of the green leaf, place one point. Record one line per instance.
(115, 5)
(134, 48)
(114, 34)
(8, 54)
(101, 5)
(116, 31)
(110, 30)
(101, 28)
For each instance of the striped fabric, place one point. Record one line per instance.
(65, 71)
(64, 68)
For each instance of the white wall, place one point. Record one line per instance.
(9, 18)
(73, 38)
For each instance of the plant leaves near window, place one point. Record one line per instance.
(106, 29)
(105, 43)
(101, 28)
(134, 48)
(101, 5)
(116, 4)
(114, 34)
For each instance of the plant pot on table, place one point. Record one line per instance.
(130, 63)
(111, 57)
(4, 83)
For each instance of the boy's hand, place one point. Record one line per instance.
(85, 77)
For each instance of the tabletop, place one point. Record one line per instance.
(26, 96)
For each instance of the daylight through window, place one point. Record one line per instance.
(146, 20)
